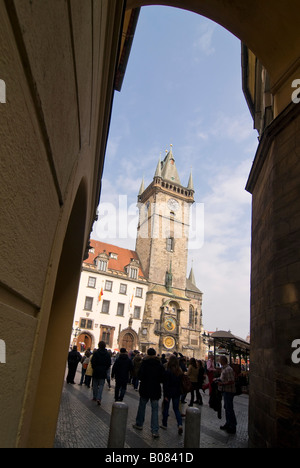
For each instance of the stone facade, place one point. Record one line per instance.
(173, 310)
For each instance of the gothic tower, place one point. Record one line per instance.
(162, 247)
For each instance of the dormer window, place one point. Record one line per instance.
(102, 264)
(133, 273)
(113, 255)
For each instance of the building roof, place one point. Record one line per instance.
(122, 258)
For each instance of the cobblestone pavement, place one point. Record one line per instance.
(83, 424)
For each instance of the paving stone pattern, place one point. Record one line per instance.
(84, 424)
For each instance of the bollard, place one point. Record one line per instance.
(118, 423)
(192, 428)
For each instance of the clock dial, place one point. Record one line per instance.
(169, 324)
(169, 342)
(173, 204)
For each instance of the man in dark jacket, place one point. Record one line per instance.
(100, 362)
(151, 376)
(74, 357)
(121, 371)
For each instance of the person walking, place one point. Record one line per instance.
(137, 361)
(85, 362)
(151, 375)
(121, 371)
(227, 384)
(101, 362)
(172, 391)
(74, 357)
(192, 373)
(201, 371)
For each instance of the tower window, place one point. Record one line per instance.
(170, 244)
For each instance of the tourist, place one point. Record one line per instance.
(172, 391)
(151, 376)
(192, 373)
(227, 386)
(121, 371)
(101, 362)
(74, 357)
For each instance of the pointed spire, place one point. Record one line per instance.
(142, 188)
(169, 170)
(158, 169)
(190, 183)
(192, 277)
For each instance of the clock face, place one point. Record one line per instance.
(169, 342)
(173, 204)
(169, 324)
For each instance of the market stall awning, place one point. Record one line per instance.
(230, 341)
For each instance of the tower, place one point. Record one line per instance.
(162, 248)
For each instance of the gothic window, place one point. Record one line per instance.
(105, 335)
(191, 316)
(170, 244)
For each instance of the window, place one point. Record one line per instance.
(133, 273)
(88, 304)
(120, 309)
(108, 285)
(85, 323)
(139, 292)
(102, 265)
(91, 282)
(170, 244)
(123, 288)
(105, 335)
(137, 312)
(105, 307)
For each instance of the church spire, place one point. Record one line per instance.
(190, 183)
(169, 170)
(142, 187)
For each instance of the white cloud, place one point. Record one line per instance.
(203, 43)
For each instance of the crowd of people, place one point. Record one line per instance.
(172, 377)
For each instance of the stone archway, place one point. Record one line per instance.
(128, 339)
(84, 342)
(272, 36)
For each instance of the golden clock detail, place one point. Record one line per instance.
(169, 342)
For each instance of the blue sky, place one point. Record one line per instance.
(183, 88)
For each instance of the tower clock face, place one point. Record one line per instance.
(169, 342)
(173, 204)
(169, 324)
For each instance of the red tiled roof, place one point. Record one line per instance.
(124, 256)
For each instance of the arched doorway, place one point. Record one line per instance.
(127, 341)
(84, 342)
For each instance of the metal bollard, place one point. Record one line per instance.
(118, 423)
(192, 428)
